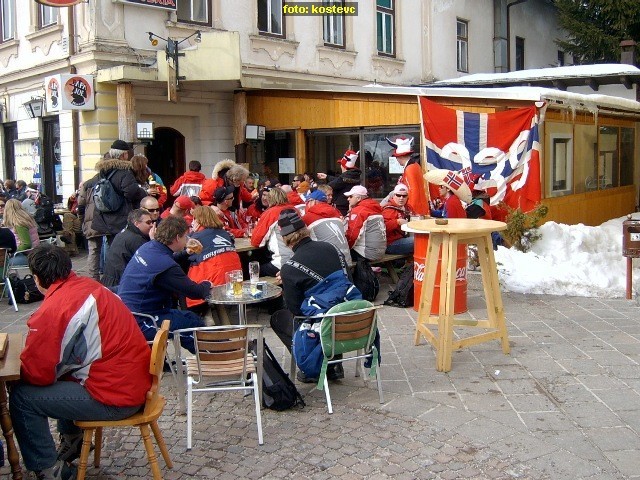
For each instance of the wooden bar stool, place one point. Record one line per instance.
(458, 230)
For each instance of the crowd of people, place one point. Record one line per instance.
(158, 259)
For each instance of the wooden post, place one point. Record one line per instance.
(239, 125)
(629, 275)
(126, 112)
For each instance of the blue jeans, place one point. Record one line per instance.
(179, 319)
(31, 406)
(402, 246)
(19, 260)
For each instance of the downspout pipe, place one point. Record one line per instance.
(75, 114)
(509, 5)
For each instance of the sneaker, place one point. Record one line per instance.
(304, 379)
(70, 446)
(335, 373)
(61, 470)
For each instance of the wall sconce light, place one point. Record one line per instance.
(172, 49)
(34, 107)
(144, 130)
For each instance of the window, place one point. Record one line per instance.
(7, 20)
(462, 45)
(385, 27)
(561, 164)
(519, 53)
(47, 16)
(270, 19)
(333, 29)
(615, 157)
(560, 58)
(194, 11)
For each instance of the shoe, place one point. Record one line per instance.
(61, 470)
(66, 239)
(70, 446)
(301, 377)
(335, 373)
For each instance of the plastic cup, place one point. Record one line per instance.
(254, 272)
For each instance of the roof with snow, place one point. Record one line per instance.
(557, 77)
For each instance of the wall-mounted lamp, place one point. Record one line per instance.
(34, 107)
(172, 49)
(144, 130)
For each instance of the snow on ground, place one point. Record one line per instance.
(570, 260)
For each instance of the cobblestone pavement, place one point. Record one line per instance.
(564, 404)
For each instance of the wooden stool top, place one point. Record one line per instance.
(456, 225)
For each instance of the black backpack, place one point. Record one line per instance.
(402, 296)
(105, 196)
(24, 289)
(365, 280)
(278, 391)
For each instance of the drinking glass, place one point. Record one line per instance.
(254, 272)
(237, 283)
(229, 277)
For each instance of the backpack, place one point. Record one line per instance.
(402, 295)
(365, 280)
(48, 222)
(278, 391)
(24, 289)
(105, 196)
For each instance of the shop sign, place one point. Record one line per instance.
(59, 3)
(164, 4)
(69, 92)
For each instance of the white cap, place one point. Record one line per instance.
(357, 190)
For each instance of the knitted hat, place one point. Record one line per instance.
(289, 222)
(184, 203)
(317, 195)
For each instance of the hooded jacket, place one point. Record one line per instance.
(318, 211)
(358, 214)
(120, 251)
(187, 177)
(343, 184)
(392, 213)
(240, 194)
(125, 183)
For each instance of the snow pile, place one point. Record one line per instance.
(570, 260)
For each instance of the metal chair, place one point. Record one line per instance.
(145, 419)
(5, 255)
(223, 359)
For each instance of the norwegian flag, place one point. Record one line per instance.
(453, 180)
(500, 150)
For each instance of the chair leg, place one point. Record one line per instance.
(98, 447)
(7, 286)
(189, 411)
(256, 397)
(161, 444)
(327, 395)
(359, 364)
(151, 454)
(84, 453)
(379, 380)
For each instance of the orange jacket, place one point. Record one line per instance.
(413, 179)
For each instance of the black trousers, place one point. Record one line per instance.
(282, 325)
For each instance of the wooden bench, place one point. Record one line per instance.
(388, 260)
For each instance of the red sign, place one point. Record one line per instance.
(59, 3)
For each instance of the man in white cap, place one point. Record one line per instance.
(395, 215)
(350, 176)
(412, 175)
(361, 207)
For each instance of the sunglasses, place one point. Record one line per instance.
(401, 196)
(152, 210)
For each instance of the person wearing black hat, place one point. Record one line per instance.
(312, 261)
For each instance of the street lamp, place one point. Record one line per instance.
(172, 49)
(34, 107)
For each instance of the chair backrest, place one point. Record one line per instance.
(372, 239)
(222, 349)
(156, 364)
(347, 327)
(331, 230)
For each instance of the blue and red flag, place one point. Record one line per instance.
(499, 152)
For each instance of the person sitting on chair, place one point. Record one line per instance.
(310, 264)
(84, 359)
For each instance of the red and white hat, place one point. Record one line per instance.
(452, 180)
(349, 159)
(402, 145)
(401, 189)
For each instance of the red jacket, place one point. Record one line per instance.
(453, 207)
(413, 179)
(294, 198)
(188, 177)
(392, 213)
(318, 211)
(268, 218)
(254, 212)
(234, 223)
(111, 356)
(357, 215)
(209, 187)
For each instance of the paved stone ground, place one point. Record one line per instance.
(564, 404)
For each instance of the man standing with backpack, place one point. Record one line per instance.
(114, 201)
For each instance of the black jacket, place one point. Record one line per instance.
(343, 184)
(319, 257)
(122, 248)
(125, 183)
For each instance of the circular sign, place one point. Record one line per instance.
(77, 90)
(59, 3)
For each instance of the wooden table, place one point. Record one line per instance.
(448, 236)
(10, 371)
(244, 245)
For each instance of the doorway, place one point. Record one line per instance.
(166, 154)
(51, 161)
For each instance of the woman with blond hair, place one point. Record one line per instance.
(24, 228)
(217, 257)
